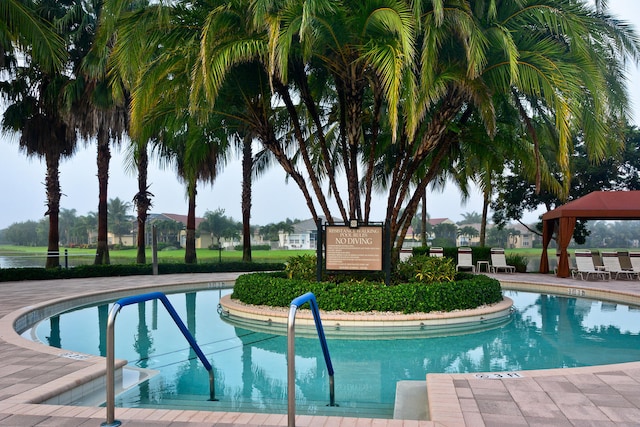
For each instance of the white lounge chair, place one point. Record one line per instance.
(499, 261)
(465, 260)
(405, 254)
(612, 264)
(586, 268)
(436, 251)
(572, 268)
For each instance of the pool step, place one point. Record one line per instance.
(411, 401)
(199, 403)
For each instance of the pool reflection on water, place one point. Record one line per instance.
(545, 331)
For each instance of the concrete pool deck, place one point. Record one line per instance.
(607, 395)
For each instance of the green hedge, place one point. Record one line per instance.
(275, 289)
(16, 274)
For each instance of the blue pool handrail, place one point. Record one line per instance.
(123, 302)
(291, 353)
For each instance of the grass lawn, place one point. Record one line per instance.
(128, 256)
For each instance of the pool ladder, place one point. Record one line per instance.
(291, 352)
(111, 321)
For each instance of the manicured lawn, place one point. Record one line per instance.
(128, 256)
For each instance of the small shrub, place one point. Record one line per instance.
(518, 261)
(426, 269)
(301, 267)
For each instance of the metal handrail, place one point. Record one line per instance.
(110, 403)
(291, 353)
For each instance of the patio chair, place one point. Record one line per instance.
(612, 264)
(634, 257)
(465, 260)
(625, 261)
(405, 254)
(436, 251)
(572, 267)
(586, 268)
(597, 260)
(499, 262)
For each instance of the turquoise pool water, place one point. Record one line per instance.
(544, 331)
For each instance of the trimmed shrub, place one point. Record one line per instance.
(275, 289)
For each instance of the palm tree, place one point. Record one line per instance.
(385, 89)
(67, 222)
(35, 99)
(32, 34)
(120, 220)
(93, 110)
(142, 199)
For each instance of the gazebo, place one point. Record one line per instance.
(608, 205)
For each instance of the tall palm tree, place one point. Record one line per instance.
(93, 110)
(142, 199)
(35, 98)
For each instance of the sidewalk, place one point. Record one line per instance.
(30, 372)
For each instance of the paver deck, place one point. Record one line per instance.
(606, 395)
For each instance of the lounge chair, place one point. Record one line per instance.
(597, 260)
(627, 264)
(465, 260)
(612, 264)
(405, 254)
(572, 268)
(436, 251)
(499, 262)
(634, 257)
(585, 267)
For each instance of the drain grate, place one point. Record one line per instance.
(74, 356)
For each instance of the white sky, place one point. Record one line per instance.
(22, 191)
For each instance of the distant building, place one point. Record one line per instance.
(303, 236)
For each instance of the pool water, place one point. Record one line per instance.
(250, 369)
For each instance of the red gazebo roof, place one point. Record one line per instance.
(600, 205)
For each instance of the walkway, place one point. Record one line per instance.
(31, 373)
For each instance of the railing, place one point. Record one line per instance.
(111, 421)
(291, 353)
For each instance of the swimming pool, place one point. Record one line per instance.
(544, 331)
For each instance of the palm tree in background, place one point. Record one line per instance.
(119, 218)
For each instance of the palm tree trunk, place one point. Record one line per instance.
(190, 256)
(423, 233)
(485, 210)
(53, 211)
(247, 167)
(143, 203)
(104, 156)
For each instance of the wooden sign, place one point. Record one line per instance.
(354, 248)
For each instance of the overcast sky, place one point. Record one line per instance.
(22, 191)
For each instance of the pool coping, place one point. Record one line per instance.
(449, 403)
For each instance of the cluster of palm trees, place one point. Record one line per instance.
(347, 96)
